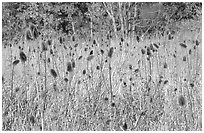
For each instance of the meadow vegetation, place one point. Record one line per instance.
(101, 66)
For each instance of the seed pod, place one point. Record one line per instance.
(35, 33)
(190, 51)
(181, 100)
(94, 41)
(53, 73)
(165, 65)
(148, 51)
(156, 45)
(106, 99)
(28, 35)
(23, 57)
(112, 104)
(102, 52)
(32, 119)
(49, 42)
(73, 64)
(125, 126)
(183, 45)
(69, 67)
(110, 53)
(73, 38)
(197, 43)
(65, 79)
(166, 81)
(184, 58)
(91, 52)
(80, 57)
(44, 46)
(61, 40)
(16, 62)
(143, 51)
(84, 72)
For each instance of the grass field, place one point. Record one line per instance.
(151, 85)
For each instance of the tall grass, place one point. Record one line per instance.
(138, 88)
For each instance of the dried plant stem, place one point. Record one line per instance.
(110, 81)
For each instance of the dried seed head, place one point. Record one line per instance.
(69, 67)
(80, 57)
(156, 45)
(16, 62)
(32, 119)
(184, 58)
(165, 65)
(65, 79)
(102, 52)
(73, 38)
(112, 104)
(91, 52)
(94, 41)
(35, 33)
(143, 51)
(28, 35)
(84, 72)
(110, 52)
(53, 73)
(73, 64)
(90, 58)
(125, 126)
(49, 42)
(44, 46)
(148, 51)
(197, 43)
(183, 45)
(181, 100)
(23, 57)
